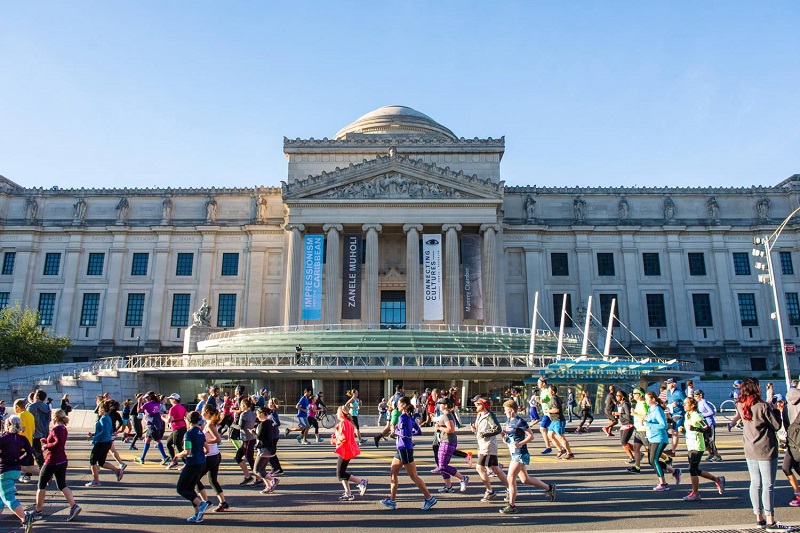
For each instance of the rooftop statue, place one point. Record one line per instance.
(202, 317)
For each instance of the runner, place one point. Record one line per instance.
(41, 414)
(28, 427)
(639, 413)
(303, 425)
(245, 424)
(586, 413)
(194, 465)
(136, 416)
(55, 465)
(445, 426)
(558, 425)
(102, 438)
(213, 457)
(676, 412)
(707, 410)
(656, 423)
(486, 428)
(12, 446)
(623, 414)
(608, 410)
(405, 429)
(399, 393)
(312, 418)
(126, 420)
(696, 427)
(177, 423)
(274, 462)
(347, 449)
(154, 427)
(544, 402)
(354, 404)
(517, 435)
(791, 423)
(265, 444)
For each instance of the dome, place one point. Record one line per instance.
(396, 119)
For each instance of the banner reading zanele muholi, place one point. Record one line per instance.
(471, 277)
(351, 285)
(312, 277)
(432, 290)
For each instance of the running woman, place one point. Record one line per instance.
(126, 420)
(194, 464)
(626, 429)
(405, 429)
(585, 405)
(354, 405)
(245, 424)
(213, 456)
(344, 438)
(12, 446)
(136, 416)
(445, 426)
(274, 462)
(639, 413)
(533, 407)
(558, 424)
(265, 444)
(154, 427)
(656, 423)
(102, 438)
(177, 423)
(696, 427)
(55, 465)
(312, 419)
(517, 435)
(486, 428)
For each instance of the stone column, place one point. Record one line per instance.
(294, 265)
(413, 282)
(490, 300)
(452, 288)
(371, 314)
(333, 266)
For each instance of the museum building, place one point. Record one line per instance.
(397, 223)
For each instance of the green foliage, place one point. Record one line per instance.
(22, 341)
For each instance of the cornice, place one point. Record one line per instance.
(146, 192)
(534, 189)
(298, 144)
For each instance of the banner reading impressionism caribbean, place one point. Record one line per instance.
(312, 277)
(471, 277)
(432, 279)
(351, 277)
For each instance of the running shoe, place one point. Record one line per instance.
(173, 465)
(546, 451)
(551, 492)
(272, 486)
(201, 510)
(729, 426)
(435, 470)
(777, 526)
(492, 473)
(634, 470)
(661, 487)
(222, 507)
(121, 472)
(195, 519)
(430, 502)
(567, 456)
(561, 454)
(489, 496)
(464, 483)
(246, 481)
(25, 478)
(446, 489)
(509, 509)
(795, 502)
(362, 487)
(74, 511)
(138, 460)
(761, 523)
(37, 515)
(27, 522)
(468, 459)
(721, 486)
(276, 473)
(304, 441)
(389, 504)
(92, 483)
(319, 439)
(377, 439)
(165, 461)
(677, 476)
(692, 497)
(286, 432)
(298, 439)
(671, 453)
(346, 498)
(631, 461)
(361, 441)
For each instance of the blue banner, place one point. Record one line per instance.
(312, 277)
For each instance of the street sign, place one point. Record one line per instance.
(790, 348)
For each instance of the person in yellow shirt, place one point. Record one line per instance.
(28, 426)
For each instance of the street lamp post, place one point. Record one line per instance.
(768, 242)
(137, 345)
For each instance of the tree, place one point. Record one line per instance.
(24, 342)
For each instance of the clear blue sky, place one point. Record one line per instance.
(152, 93)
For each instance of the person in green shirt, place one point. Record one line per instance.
(544, 401)
(639, 413)
(695, 427)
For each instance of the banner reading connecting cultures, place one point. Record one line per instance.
(471, 277)
(312, 277)
(432, 290)
(351, 280)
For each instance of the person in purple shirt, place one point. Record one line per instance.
(12, 446)
(154, 427)
(405, 429)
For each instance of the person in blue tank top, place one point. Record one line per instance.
(194, 457)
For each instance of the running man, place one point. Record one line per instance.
(558, 424)
(639, 413)
(544, 425)
(393, 402)
(303, 425)
(486, 428)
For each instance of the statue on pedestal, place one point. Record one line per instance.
(202, 317)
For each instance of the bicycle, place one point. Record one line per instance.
(727, 409)
(326, 419)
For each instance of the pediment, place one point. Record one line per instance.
(392, 177)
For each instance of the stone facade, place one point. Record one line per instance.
(119, 269)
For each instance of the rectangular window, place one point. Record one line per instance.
(230, 264)
(4, 300)
(226, 312)
(605, 308)
(91, 304)
(135, 312)
(741, 264)
(787, 268)
(559, 264)
(702, 310)
(139, 264)
(184, 266)
(47, 307)
(52, 261)
(95, 267)
(793, 308)
(652, 264)
(605, 264)
(758, 364)
(697, 264)
(557, 301)
(656, 311)
(393, 310)
(180, 310)
(711, 364)
(9, 258)
(747, 309)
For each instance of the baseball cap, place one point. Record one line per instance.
(264, 391)
(174, 396)
(670, 380)
(778, 398)
(638, 391)
(479, 398)
(699, 392)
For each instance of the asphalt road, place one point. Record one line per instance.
(594, 493)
